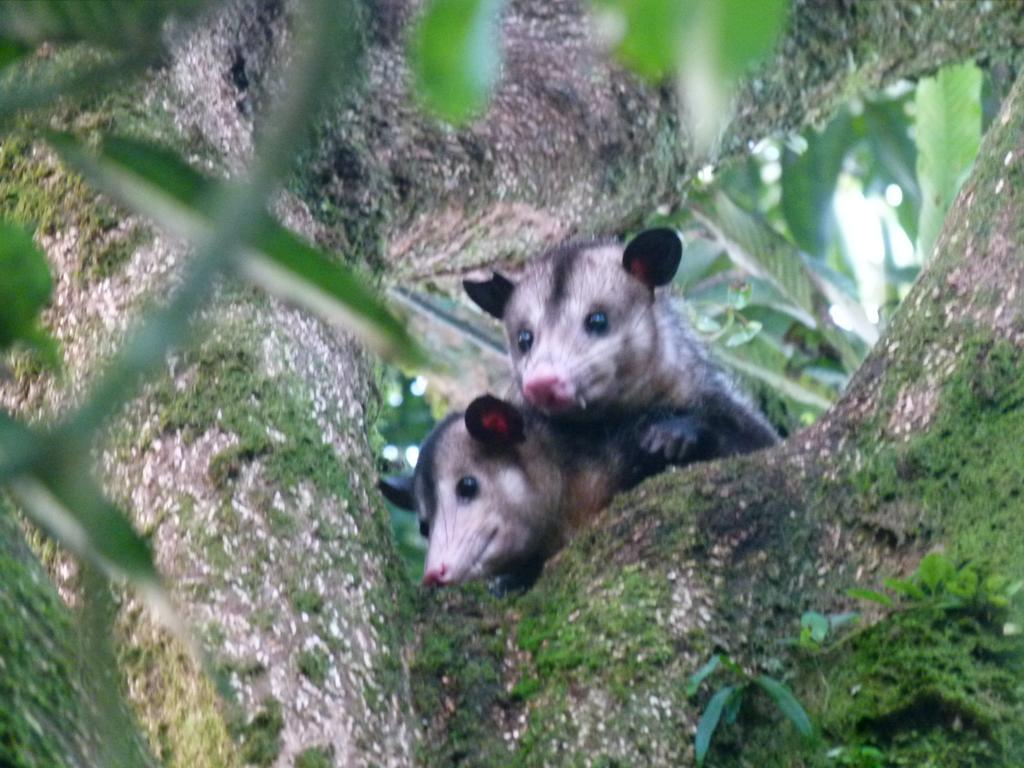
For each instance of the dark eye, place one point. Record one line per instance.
(596, 323)
(524, 340)
(424, 529)
(466, 488)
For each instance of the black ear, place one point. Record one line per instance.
(495, 422)
(490, 295)
(653, 256)
(398, 490)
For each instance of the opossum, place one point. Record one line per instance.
(497, 491)
(593, 337)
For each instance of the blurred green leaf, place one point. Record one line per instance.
(756, 247)
(963, 584)
(25, 287)
(837, 620)
(759, 249)
(817, 624)
(455, 56)
(744, 334)
(709, 720)
(739, 294)
(934, 570)
(746, 31)
(702, 674)
(871, 595)
(650, 32)
(778, 381)
(787, 702)
(112, 23)
(11, 51)
(63, 499)
(904, 587)
(948, 132)
(808, 185)
(157, 183)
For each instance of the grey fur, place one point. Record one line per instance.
(649, 363)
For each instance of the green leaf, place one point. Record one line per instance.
(817, 624)
(63, 500)
(698, 677)
(650, 32)
(948, 132)
(739, 294)
(808, 186)
(760, 250)
(837, 620)
(112, 23)
(934, 570)
(963, 584)
(158, 184)
(746, 31)
(745, 334)
(787, 703)
(733, 704)
(455, 56)
(871, 595)
(25, 285)
(706, 324)
(11, 51)
(791, 389)
(904, 587)
(709, 722)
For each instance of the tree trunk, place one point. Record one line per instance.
(248, 461)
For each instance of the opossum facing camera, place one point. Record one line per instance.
(593, 336)
(497, 492)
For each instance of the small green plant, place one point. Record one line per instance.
(734, 328)
(816, 628)
(726, 702)
(939, 582)
(860, 756)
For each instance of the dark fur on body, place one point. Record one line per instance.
(648, 375)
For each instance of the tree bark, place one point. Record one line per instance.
(248, 460)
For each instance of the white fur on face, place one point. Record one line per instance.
(505, 522)
(610, 368)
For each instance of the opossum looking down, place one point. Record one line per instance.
(497, 491)
(592, 337)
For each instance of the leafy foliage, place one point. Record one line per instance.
(25, 287)
(940, 583)
(727, 701)
(455, 57)
(948, 136)
(706, 44)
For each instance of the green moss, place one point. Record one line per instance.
(455, 679)
(591, 629)
(271, 417)
(612, 637)
(43, 719)
(260, 738)
(307, 601)
(963, 475)
(37, 192)
(315, 757)
(314, 664)
(926, 687)
(176, 702)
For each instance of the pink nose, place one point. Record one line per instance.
(435, 577)
(548, 391)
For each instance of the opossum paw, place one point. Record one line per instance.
(675, 439)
